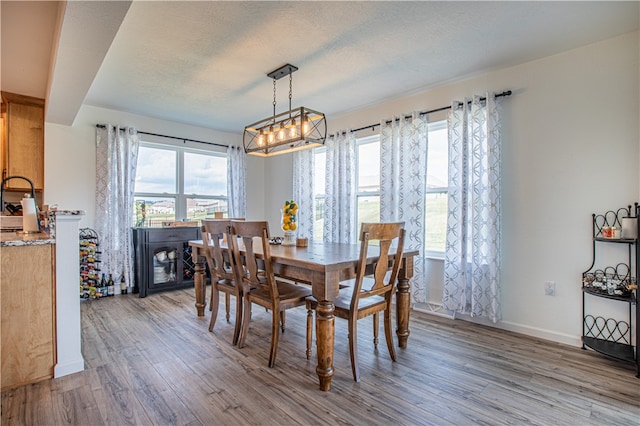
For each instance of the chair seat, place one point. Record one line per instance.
(226, 285)
(289, 293)
(343, 303)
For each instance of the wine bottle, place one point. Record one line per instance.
(102, 289)
(123, 285)
(110, 286)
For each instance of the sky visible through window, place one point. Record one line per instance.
(207, 175)
(438, 158)
(156, 171)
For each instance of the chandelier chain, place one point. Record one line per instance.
(274, 96)
(290, 89)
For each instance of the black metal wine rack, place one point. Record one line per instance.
(613, 337)
(90, 265)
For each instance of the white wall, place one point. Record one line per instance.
(279, 175)
(571, 148)
(70, 157)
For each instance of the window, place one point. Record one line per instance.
(320, 167)
(175, 183)
(367, 183)
(437, 189)
(367, 180)
(368, 186)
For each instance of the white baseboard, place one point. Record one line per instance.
(433, 309)
(68, 368)
(436, 309)
(540, 333)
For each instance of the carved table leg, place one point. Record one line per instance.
(403, 302)
(325, 333)
(199, 280)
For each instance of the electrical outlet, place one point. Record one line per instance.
(550, 288)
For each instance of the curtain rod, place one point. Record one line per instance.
(373, 126)
(184, 140)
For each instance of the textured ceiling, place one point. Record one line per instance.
(205, 63)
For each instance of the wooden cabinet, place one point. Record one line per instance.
(163, 258)
(23, 140)
(28, 314)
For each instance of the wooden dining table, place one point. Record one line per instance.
(323, 265)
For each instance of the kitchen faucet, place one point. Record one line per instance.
(33, 192)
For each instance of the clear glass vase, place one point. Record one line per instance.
(289, 222)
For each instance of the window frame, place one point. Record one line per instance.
(179, 197)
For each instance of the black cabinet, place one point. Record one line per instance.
(163, 258)
(613, 335)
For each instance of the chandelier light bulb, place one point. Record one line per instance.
(270, 135)
(293, 131)
(281, 133)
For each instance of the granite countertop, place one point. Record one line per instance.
(12, 239)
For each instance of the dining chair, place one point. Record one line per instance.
(259, 285)
(370, 292)
(220, 262)
(227, 298)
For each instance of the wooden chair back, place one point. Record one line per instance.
(218, 258)
(253, 270)
(387, 235)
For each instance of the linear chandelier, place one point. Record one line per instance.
(289, 131)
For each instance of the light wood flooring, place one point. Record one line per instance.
(152, 361)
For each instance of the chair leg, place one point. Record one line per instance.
(215, 301)
(388, 333)
(238, 325)
(375, 331)
(213, 290)
(353, 348)
(246, 319)
(309, 331)
(275, 337)
(227, 304)
(282, 317)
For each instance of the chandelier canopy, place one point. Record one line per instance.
(289, 131)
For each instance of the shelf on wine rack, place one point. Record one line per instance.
(612, 349)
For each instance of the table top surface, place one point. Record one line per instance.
(320, 256)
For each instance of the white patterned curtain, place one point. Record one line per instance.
(403, 177)
(303, 191)
(339, 213)
(116, 161)
(473, 249)
(236, 182)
